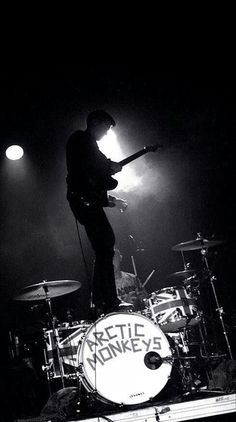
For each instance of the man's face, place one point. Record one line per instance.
(100, 129)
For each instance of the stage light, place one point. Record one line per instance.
(127, 178)
(110, 146)
(14, 152)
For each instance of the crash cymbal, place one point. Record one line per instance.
(182, 275)
(198, 243)
(52, 288)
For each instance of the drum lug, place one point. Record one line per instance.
(47, 367)
(80, 369)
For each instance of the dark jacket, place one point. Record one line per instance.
(89, 170)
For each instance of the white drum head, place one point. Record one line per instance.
(122, 358)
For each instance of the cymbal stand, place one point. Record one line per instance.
(54, 330)
(186, 265)
(219, 308)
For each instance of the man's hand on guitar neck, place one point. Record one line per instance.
(117, 202)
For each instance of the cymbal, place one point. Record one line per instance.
(182, 275)
(198, 243)
(53, 288)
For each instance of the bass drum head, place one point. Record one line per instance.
(122, 358)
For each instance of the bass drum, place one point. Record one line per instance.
(125, 359)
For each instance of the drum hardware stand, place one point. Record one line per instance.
(205, 354)
(47, 368)
(219, 308)
(207, 358)
(189, 381)
(203, 334)
(79, 386)
(186, 264)
(55, 334)
(203, 348)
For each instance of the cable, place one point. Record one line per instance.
(84, 260)
(82, 250)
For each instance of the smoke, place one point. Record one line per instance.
(146, 179)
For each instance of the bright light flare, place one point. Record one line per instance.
(110, 146)
(14, 152)
(127, 178)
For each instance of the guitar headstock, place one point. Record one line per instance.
(153, 147)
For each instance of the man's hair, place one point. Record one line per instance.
(101, 116)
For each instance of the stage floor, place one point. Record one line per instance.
(183, 409)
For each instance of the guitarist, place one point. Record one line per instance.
(88, 180)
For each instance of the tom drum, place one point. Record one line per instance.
(173, 308)
(69, 338)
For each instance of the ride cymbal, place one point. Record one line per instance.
(47, 289)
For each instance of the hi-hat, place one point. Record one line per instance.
(48, 289)
(198, 243)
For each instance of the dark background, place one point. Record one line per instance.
(187, 187)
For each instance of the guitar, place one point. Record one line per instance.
(98, 190)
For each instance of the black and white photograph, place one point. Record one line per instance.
(118, 261)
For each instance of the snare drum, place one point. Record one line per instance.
(173, 308)
(124, 358)
(69, 338)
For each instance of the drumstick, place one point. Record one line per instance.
(148, 278)
(135, 271)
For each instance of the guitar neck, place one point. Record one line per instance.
(133, 156)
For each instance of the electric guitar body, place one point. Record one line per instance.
(99, 188)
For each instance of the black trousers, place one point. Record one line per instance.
(102, 239)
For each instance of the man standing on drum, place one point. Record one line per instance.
(88, 180)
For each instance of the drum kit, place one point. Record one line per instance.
(127, 358)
